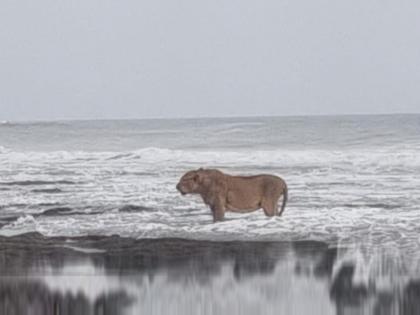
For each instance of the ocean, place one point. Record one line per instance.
(354, 187)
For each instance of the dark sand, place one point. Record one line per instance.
(114, 275)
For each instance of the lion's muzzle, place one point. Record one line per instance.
(179, 188)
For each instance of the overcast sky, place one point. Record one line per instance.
(141, 59)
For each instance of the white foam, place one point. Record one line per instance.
(334, 194)
(24, 224)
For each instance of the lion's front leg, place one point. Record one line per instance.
(218, 211)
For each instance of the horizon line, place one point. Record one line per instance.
(5, 121)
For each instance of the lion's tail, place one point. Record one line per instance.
(285, 196)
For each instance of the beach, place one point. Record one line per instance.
(114, 275)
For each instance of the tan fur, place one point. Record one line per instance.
(223, 192)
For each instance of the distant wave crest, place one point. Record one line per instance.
(4, 150)
(375, 158)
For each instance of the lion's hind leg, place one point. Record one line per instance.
(270, 208)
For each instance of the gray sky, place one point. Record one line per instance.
(141, 59)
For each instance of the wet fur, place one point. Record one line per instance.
(223, 192)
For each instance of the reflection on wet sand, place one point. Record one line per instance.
(113, 275)
(33, 297)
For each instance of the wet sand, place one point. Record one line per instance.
(114, 275)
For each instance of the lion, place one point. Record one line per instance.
(223, 192)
